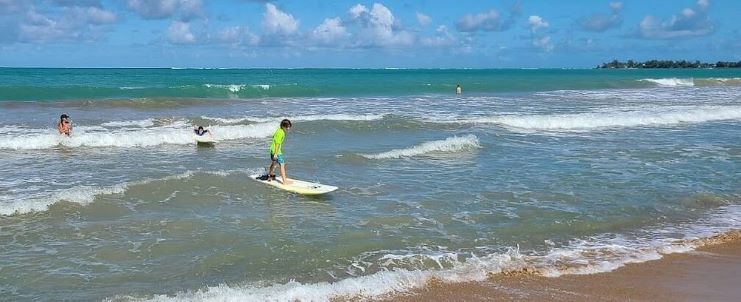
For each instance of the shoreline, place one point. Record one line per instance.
(709, 273)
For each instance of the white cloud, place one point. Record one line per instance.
(179, 33)
(442, 38)
(538, 39)
(68, 23)
(100, 16)
(488, 21)
(381, 16)
(35, 19)
(600, 22)
(40, 28)
(688, 23)
(12, 6)
(83, 3)
(378, 27)
(536, 22)
(331, 31)
(357, 10)
(163, 9)
(159, 9)
(190, 9)
(231, 34)
(277, 22)
(423, 19)
(543, 43)
(647, 22)
(615, 6)
(237, 35)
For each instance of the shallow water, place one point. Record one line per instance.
(431, 185)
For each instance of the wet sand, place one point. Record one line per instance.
(711, 273)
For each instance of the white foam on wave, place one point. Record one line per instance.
(371, 286)
(11, 130)
(258, 130)
(607, 252)
(231, 87)
(317, 117)
(84, 195)
(671, 82)
(727, 79)
(451, 144)
(237, 87)
(172, 134)
(691, 82)
(610, 119)
(585, 256)
(722, 80)
(136, 123)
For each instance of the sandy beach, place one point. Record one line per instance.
(709, 273)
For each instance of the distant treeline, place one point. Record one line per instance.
(669, 64)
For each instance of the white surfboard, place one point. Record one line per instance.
(204, 139)
(297, 186)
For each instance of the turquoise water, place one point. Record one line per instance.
(73, 84)
(564, 171)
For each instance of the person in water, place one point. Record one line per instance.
(276, 152)
(65, 125)
(458, 89)
(200, 131)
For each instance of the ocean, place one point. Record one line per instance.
(560, 171)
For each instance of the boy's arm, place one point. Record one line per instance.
(278, 149)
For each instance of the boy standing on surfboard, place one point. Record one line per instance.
(276, 152)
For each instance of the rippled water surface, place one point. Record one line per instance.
(430, 185)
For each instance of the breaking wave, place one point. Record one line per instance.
(451, 144)
(671, 82)
(692, 82)
(177, 134)
(236, 87)
(85, 195)
(613, 119)
(591, 255)
(318, 117)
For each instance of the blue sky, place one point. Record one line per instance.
(357, 34)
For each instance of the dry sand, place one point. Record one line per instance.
(711, 273)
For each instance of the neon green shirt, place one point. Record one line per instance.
(278, 138)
